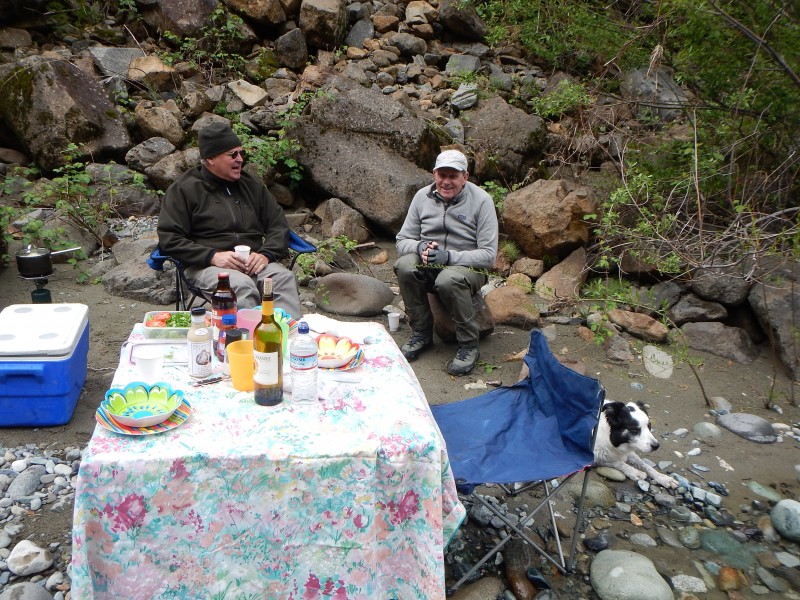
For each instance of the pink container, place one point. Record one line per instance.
(248, 318)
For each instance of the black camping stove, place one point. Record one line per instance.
(41, 295)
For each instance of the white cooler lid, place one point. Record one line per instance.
(41, 329)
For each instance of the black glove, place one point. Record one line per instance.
(438, 257)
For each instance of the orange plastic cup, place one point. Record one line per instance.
(242, 364)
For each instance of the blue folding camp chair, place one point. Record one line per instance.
(186, 292)
(539, 429)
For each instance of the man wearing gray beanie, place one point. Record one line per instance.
(216, 206)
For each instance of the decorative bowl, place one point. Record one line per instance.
(335, 352)
(142, 405)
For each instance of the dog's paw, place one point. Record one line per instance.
(665, 481)
(634, 474)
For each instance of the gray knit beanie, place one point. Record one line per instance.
(217, 138)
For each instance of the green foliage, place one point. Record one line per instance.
(566, 98)
(215, 51)
(277, 151)
(326, 252)
(498, 193)
(510, 250)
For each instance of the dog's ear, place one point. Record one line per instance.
(614, 413)
(642, 407)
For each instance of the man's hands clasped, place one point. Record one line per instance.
(431, 255)
(228, 259)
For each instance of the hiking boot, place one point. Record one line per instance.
(465, 360)
(418, 343)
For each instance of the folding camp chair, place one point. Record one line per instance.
(186, 292)
(537, 430)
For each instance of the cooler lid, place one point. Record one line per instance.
(41, 329)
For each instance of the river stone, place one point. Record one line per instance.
(352, 294)
(786, 519)
(764, 491)
(26, 482)
(750, 427)
(788, 560)
(610, 473)
(689, 584)
(776, 584)
(669, 537)
(25, 591)
(486, 587)
(643, 539)
(732, 551)
(27, 559)
(624, 575)
(657, 362)
(707, 431)
(689, 537)
(598, 494)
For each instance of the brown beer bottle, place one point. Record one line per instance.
(223, 302)
(268, 353)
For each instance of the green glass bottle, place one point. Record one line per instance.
(268, 354)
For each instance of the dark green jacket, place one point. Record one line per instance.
(201, 213)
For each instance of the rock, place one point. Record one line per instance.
(564, 279)
(363, 29)
(511, 305)
(267, 12)
(462, 20)
(547, 217)
(689, 537)
(776, 584)
(719, 339)
(150, 72)
(730, 579)
(725, 288)
(643, 539)
(688, 584)
(618, 349)
(764, 491)
(352, 294)
(149, 153)
(323, 22)
(598, 494)
(750, 427)
(656, 90)
(639, 325)
(62, 105)
(669, 537)
(250, 95)
(623, 575)
(466, 96)
(487, 587)
(156, 120)
(730, 550)
(786, 519)
(339, 219)
(291, 50)
(518, 558)
(114, 62)
(657, 362)
(25, 591)
(25, 483)
(27, 558)
(690, 309)
(707, 431)
(610, 473)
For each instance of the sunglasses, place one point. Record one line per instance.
(235, 154)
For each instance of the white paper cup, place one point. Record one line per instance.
(242, 251)
(394, 321)
(149, 361)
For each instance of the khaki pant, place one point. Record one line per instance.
(284, 286)
(455, 287)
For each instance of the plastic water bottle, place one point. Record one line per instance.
(303, 362)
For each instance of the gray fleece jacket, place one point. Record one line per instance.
(466, 227)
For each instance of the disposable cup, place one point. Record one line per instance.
(248, 318)
(242, 364)
(149, 361)
(394, 321)
(242, 251)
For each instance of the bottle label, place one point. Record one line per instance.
(267, 364)
(200, 358)
(303, 363)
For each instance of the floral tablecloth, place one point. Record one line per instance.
(350, 499)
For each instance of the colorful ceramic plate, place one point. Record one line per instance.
(336, 352)
(356, 361)
(177, 418)
(141, 405)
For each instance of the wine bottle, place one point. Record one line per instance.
(268, 353)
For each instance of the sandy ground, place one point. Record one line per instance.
(675, 403)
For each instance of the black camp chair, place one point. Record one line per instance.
(186, 293)
(537, 430)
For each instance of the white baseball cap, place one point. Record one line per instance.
(451, 159)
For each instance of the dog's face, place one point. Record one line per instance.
(629, 427)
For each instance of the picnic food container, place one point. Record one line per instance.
(43, 352)
(168, 333)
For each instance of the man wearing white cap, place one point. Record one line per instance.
(446, 244)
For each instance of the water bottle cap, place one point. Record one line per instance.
(229, 319)
(302, 327)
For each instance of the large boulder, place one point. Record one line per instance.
(653, 93)
(719, 339)
(122, 190)
(547, 217)
(50, 104)
(506, 140)
(324, 22)
(184, 19)
(461, 20)
(776, 302)
(267, 12)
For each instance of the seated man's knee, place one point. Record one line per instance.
(406, 266)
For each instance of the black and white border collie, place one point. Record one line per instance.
(623, 430)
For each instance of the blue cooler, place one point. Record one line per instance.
(43, 351)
